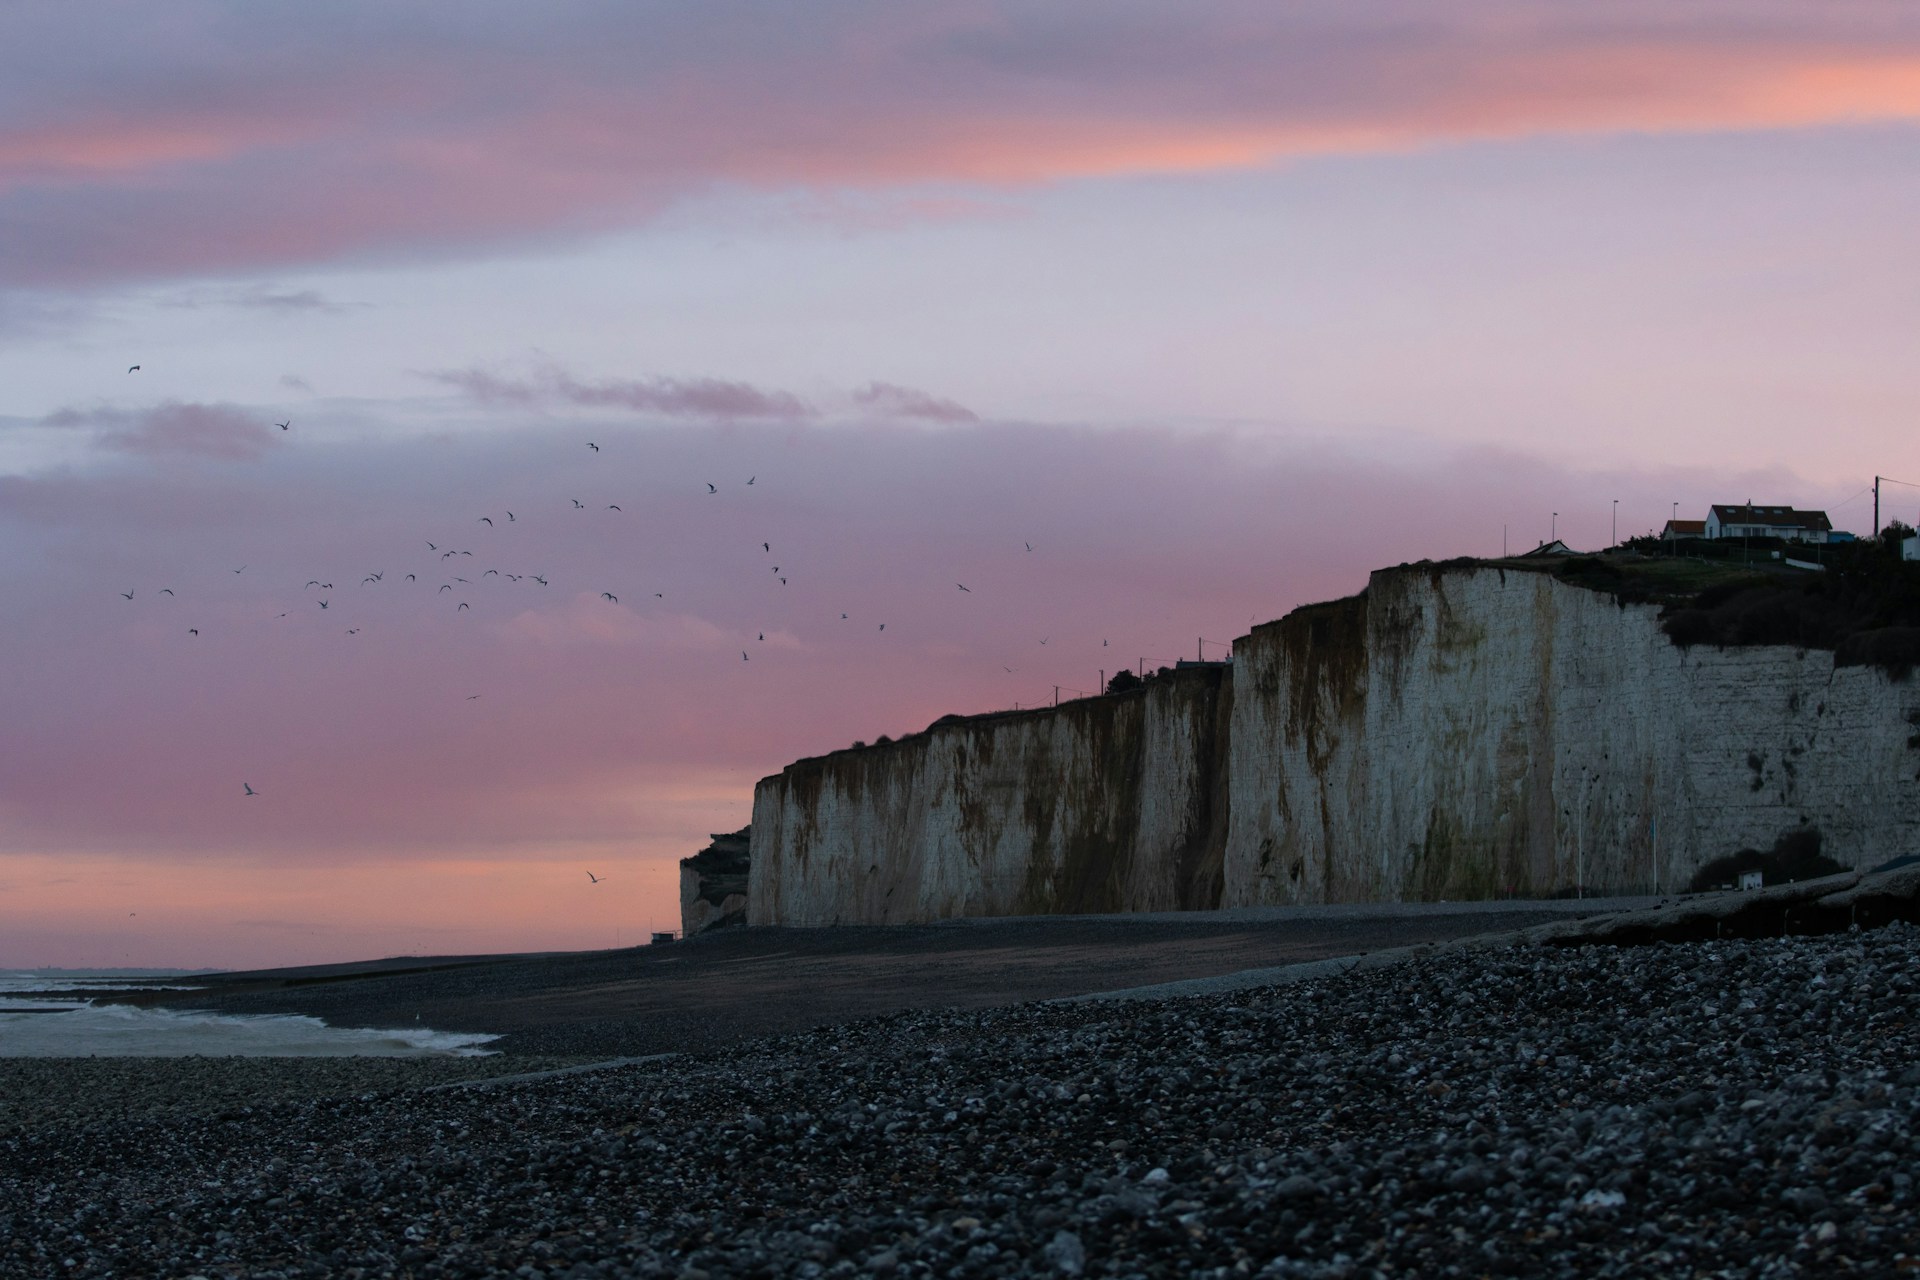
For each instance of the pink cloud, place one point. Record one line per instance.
(221, 432)
(909, 402)
(674, 397)
(239, 139)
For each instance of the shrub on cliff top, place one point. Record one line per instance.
(1866, 608)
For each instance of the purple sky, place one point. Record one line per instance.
(1217, 309)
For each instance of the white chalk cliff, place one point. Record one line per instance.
(1454, 731)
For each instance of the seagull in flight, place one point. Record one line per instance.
(611, 507)
(510, 517)
(608, 595)
(431, 547)
(133, 368)
(743, 655)
(579, 505)
(166, 591)
(487, 520)
(711, 489)
(591, 445)
(353, 631)
(127, 595)
(472, 696)
(1029, 546)
(193, 631)
(248, 787)
(963, 586)
(445, 586)
(490, 571)
(596, 879)
(311, 582)
(463, 605)
(751, 479)
(537, 578)
(323, 604)
(285, 426)
(411, 578)
(241, 569)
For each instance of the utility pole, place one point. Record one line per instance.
(1503, 542)
(1553, 530)
(1616, 522)
(1876, 506)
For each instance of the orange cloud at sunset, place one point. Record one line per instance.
(525, 131)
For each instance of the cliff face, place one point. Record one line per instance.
(1462, 733)
(1104, 804)
(1453, 732)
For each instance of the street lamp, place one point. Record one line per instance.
(1553, 530)
(1616, 522)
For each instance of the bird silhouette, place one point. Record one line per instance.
(126, 595)
(750, 479)
(659, 595)
(133, 368)
(608, 595)
(783, 582)
(353, 631)
(411, 578)
(166, 591)
(537, 578)
(963, 586)
(248, 786)
(579, 505)
(445, 586)
(463, 605)
(596, 879)
(431, 547)
(711, 489)
(285, 426)
(883, 626)
(490, 571)
(763, 635)
(312, 582)
(241, 569)
(743, 655)
(510, 517)
(843, 617)
(323, 604)
(1029, 546)
(766, 546)
(611, 507)
(1043, 641)
(193, 631)
(472, 696)
(591, 445)
(366, 580)
(487, 520)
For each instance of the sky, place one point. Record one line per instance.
(653, 377)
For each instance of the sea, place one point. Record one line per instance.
(44, 1015)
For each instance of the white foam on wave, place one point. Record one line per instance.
(122, 1031)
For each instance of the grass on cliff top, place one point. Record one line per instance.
(1864, 606)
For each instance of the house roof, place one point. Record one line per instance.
(1554, 548)
(1777, 517)
(1686, 528)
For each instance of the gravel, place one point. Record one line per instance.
(1741, 1108)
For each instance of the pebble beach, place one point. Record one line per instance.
(1736, 1108)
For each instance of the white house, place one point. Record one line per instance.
(1749, 521)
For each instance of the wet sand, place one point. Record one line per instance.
(735, 985)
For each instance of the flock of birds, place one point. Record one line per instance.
(321, 593)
